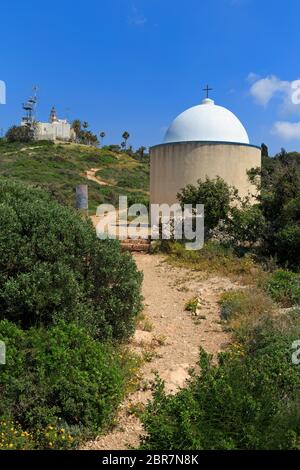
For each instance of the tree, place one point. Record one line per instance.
(76, 126)
(125, 136)
(58, 375)
(102, 135)
(216, 195)
(264, 150)
(52, 266)
(249, 400)
(83, 136)
(246, 225)
(279, 201)
(282, 156)
(141, 152)
(20, 134)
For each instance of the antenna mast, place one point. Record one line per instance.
(29, 108)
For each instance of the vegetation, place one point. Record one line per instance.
(83, 135)
(249, 400)
(125, 136)
(58, 377)
(22, 134)
(216, 196)
(53, 266)
(102, 135)
(60, 168)
(132, 176)
(268, 228)
(279, 202)
(284, 287)
(245, 302)
(67, 302)
(191, 305)
(214, 258)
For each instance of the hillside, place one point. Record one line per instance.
(58, 168)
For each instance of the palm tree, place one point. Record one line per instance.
(125, 136)
(76, 126)
(101, 135)
(85, 124)
(141, 151)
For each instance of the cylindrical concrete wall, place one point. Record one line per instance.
(174, 165)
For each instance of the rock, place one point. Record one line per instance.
(142, 337)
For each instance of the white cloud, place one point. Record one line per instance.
(287, 130)
(265, 89)
(252, 77)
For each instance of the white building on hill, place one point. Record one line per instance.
(55, 129)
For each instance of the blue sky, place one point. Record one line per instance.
(135, 65)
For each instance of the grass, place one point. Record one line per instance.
(131, 175)
(248, 301)
(242, 309)
(284, 287)
(215, 259)
(191, 305)
(59, 168)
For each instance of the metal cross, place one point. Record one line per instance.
(207, 89)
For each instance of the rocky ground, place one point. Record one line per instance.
(170, 344)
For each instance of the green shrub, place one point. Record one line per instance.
(287, 245)
(12, 437)
(20, 134)
(245, 302)
(237, 404)
(213, 258)
(246, 225)
(59, 377)
(53, 266)
(192, 304)
(216, 196)
(242, 308)
(284, 287)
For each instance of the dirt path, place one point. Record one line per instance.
(91, 175)
(172, 346)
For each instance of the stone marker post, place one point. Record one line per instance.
(82, 198)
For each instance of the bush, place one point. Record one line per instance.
(216, 196)
(20, 134)
(58, 378)
(237, 404)
(245, 302)
(246, 225)
(12, 437)
(284, 287)
(287, 245)
(213, 258)
(53, 266)
(241, 308)
(280, 203)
